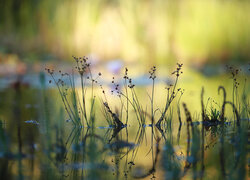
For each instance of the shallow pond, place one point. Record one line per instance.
(39, 141)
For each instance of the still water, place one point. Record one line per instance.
(39, 141)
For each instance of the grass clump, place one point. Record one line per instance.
(75, 103)
(172, 93)
(75, 106)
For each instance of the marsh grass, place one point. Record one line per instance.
(171, 94)
(245, 112)
(215, 122)
(239, 100)
(75, 103)
(130, 96)
(107, 115)
(75, 107)
(132, 99)
(117, 151)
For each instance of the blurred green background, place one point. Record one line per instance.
(204, 35)
(157, 32)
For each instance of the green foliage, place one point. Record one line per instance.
(214, 114)
(186, 30)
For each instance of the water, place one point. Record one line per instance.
(39, 141)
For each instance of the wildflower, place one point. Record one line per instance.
(152, 73)
(178, 71)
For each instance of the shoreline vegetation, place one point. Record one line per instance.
(75, 102)
(214, 120)
(138, 141)
(161, 93)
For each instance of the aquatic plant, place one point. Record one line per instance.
(134, 101)
(239, 106)
(214, 114)
(117, 151)
(214, 121)
(131, 99)
(171, 94)
(74, 106)
(117, 123)
(77, 110)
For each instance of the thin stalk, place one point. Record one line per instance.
(72, 82)
(135, 98)
(62, 97)
(168, 103)
(126, 90)
(83, 99)
(152, 103)
(134, 107)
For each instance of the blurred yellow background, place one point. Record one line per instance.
(160, 32)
